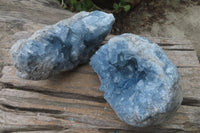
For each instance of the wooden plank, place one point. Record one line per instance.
(84, 83)
(160, 40)
(66, 131)
(180, 47)
(4, 59)
(190, 81)
(71, 101)
(70, 83)
(172, 41)
(183, 58)
(30, 109)
(84, 109)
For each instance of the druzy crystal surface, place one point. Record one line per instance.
(62, 46)
(140, 82)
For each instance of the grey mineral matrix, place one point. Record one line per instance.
(140, 82)
(62, 46)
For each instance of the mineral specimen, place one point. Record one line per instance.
(62, 46)
(140, 82)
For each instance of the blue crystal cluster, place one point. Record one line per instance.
(62, 46)
(140, 82)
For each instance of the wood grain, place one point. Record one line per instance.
(20, 108)
(71, 101)
(83, 83)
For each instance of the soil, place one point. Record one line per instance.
(170, 18)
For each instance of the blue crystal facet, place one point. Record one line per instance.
(62, 46)
(140, 82)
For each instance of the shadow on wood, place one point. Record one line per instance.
(71, 101)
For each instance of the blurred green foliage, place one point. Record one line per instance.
(122, 5)
(88, 5)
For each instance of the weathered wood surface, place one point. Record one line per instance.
(71, 101)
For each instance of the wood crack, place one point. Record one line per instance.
(138, 130)
(33, 128)
(186, 101)
(34, 110)
(169, 44)
(191, 102)
(168, 49)
(57, 93)
(186, 66)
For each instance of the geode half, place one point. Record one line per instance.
(62, 46)
(140, 82)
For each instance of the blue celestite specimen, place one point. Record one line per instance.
(62, 46)
(140, 82)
